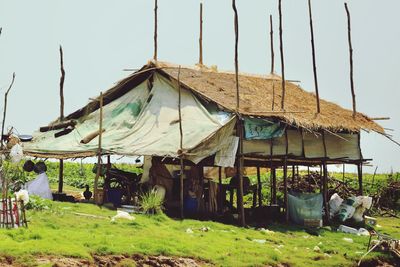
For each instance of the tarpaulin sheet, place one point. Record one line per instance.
(261, 129)
(146, 122)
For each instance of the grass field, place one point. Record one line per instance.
(60, 231)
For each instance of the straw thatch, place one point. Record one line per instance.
(256, 95)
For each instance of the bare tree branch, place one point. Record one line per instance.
(5, 108)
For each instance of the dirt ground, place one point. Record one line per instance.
(107, 260)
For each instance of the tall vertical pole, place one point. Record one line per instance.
(360, 179)
(271, 34)
(155, 30)
(351, 60)
(313, 57)
(259, 187)
(282, 59)
(201, 36)
(181, 141)
(239, 124)
(285, 185)
(62, 78)
(99, 152)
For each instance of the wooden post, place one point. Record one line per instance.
(373, 177)
(259, 187)
(201, 36)
(180, 142)
(98, 172)
(313, 57)
(5, 109)
(155, 30)
(222, 195)
(239, 128)
(285, 178)
(282, 58)
(351, 60)
(360, 179)
(62, 78)
(273, 177)
(293, 173)
(271, 34)
(325, 191)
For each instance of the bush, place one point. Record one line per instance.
(151, 202)
(38, 203)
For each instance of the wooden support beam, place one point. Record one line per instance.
(259, 187)
(353, 95)
(325, 191)
(221, 194)
(99, 152)
(239, 128)
(273, 194)
(201, 36)
(285, 178)
(282, 57)
(360, 179)
(181, 153)
(155, 29)
(62, 79)
(271, 34)
(313, 57)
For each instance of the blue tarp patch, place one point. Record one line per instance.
(261, 129)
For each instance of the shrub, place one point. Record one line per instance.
(38, 203)
(151, 202)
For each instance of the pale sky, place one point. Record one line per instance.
(101, 38)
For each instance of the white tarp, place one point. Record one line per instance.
(146, 122)
(40, 186)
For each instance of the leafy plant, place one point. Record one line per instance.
(151, 202)
(38, 203)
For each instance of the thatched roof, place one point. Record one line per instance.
(256, 95)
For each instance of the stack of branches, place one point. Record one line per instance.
(387, 199)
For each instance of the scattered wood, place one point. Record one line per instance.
(91, 136)
(58, 126)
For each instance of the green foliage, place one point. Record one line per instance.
(151, 202)
(81, 236)
(38, 203)
(78, 175)
(14, 175)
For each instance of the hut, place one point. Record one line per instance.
(141, 118)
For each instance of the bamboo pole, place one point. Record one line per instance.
(5, 109)
(11, 212)
(285, 185)
(271, 34)
(259, 193)
(180, 142)
(242, 220)
(360, 179)
(313, 57)
(62, 78)
(282, 58)
(98, 172)
(201, 36)
(155, 29)
(351, 59)
(221, 196)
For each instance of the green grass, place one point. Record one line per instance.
(61, 232)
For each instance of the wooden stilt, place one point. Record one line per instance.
(239, 128)
(271, 33)
(360, 179)
(282, 57)
(181, 154)
(201, 36)
(293, 173)
(221, 194)
(285, 190)
(259, 187)
(353, 95)
(155, 30)
(344, 171)
(62, 79)
(98, 172)
(273, 177)
(325, 191)
(313, 57)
